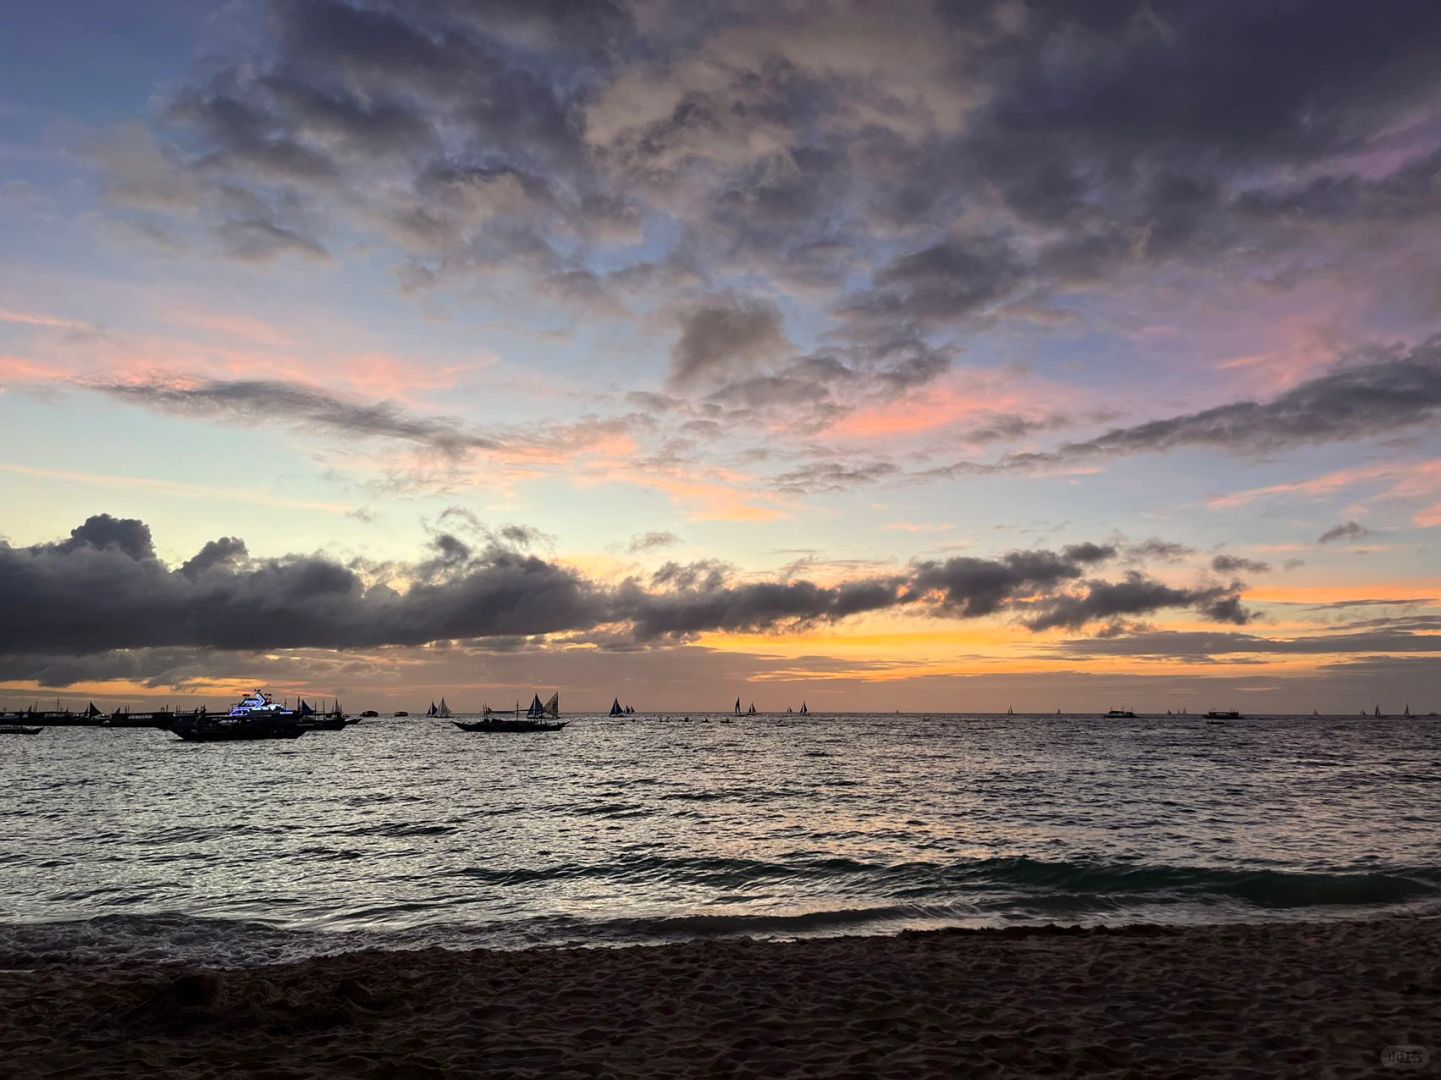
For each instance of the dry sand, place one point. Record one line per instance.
(1306, 1000)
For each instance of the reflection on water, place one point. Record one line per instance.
(410, 832)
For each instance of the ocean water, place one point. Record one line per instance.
(408, 833)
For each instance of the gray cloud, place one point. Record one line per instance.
(1347, 530)
(724, 337)
(256, 401)
(825, 476)
(651, 541)
(1194, 645)
(104, 589)
(1376, 391)
(1136, 594)
(1230, 564)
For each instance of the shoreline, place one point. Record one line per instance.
(1264, 998)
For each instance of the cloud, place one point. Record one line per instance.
(104, 589)
(1347, 530)
(258, 401)
(1135, 595)
(724, 337)
(651, 541)
(1230, 564)
(1201, 645)
(1376, 391)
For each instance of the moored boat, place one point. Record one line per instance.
(256, 717)
(539, 717)
(18, 729)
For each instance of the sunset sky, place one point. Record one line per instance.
(918, 356)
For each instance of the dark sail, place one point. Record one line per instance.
(615, 709)
(536, 710)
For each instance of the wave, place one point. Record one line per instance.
(828, 896)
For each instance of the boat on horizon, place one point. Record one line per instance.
(443, 712)
(539, 717)
(1224, 714)
(1120, 714)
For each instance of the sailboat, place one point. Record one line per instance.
(1010, 711)
(444, 711)
(804, 711)
(1406, 711)
(432, 711)
(789, 711)
(1377, 712)
(738, 706)
(752, 710)
(615, 709)
(539, 717)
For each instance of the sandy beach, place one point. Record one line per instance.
(1291, 999)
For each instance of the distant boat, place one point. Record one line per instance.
(432, 710)
(752, 710)
(1120, 714)
(18, 729)
(615, 709)
(402, 712)
(804, 711)
(370, 712)
(1315, 712)
(738, 706)
(1406, 711)
(539, 717)
(1378, 711)
(789, 711)
(1010, 711)
(1220, 714)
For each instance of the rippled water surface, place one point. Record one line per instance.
(409, 832)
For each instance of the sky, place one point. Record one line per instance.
(919, 356)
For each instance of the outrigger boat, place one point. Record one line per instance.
(537, 718)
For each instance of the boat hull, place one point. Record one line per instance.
(16, 729)
(509, 725)
(328, 723)
(246, 731)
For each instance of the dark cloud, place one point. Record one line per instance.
(1374, 392)
(725, 337)
(1156, 548)
(1230, 564)
(651, 541)
(1136, 594)
(1195, 644)
(1347, 530)
(256, 401)
(104, 589)
(940, 284)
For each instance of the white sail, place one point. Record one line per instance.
(444, 709)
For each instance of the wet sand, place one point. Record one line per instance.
(1290, 999)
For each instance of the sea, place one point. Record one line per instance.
(127, 845)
